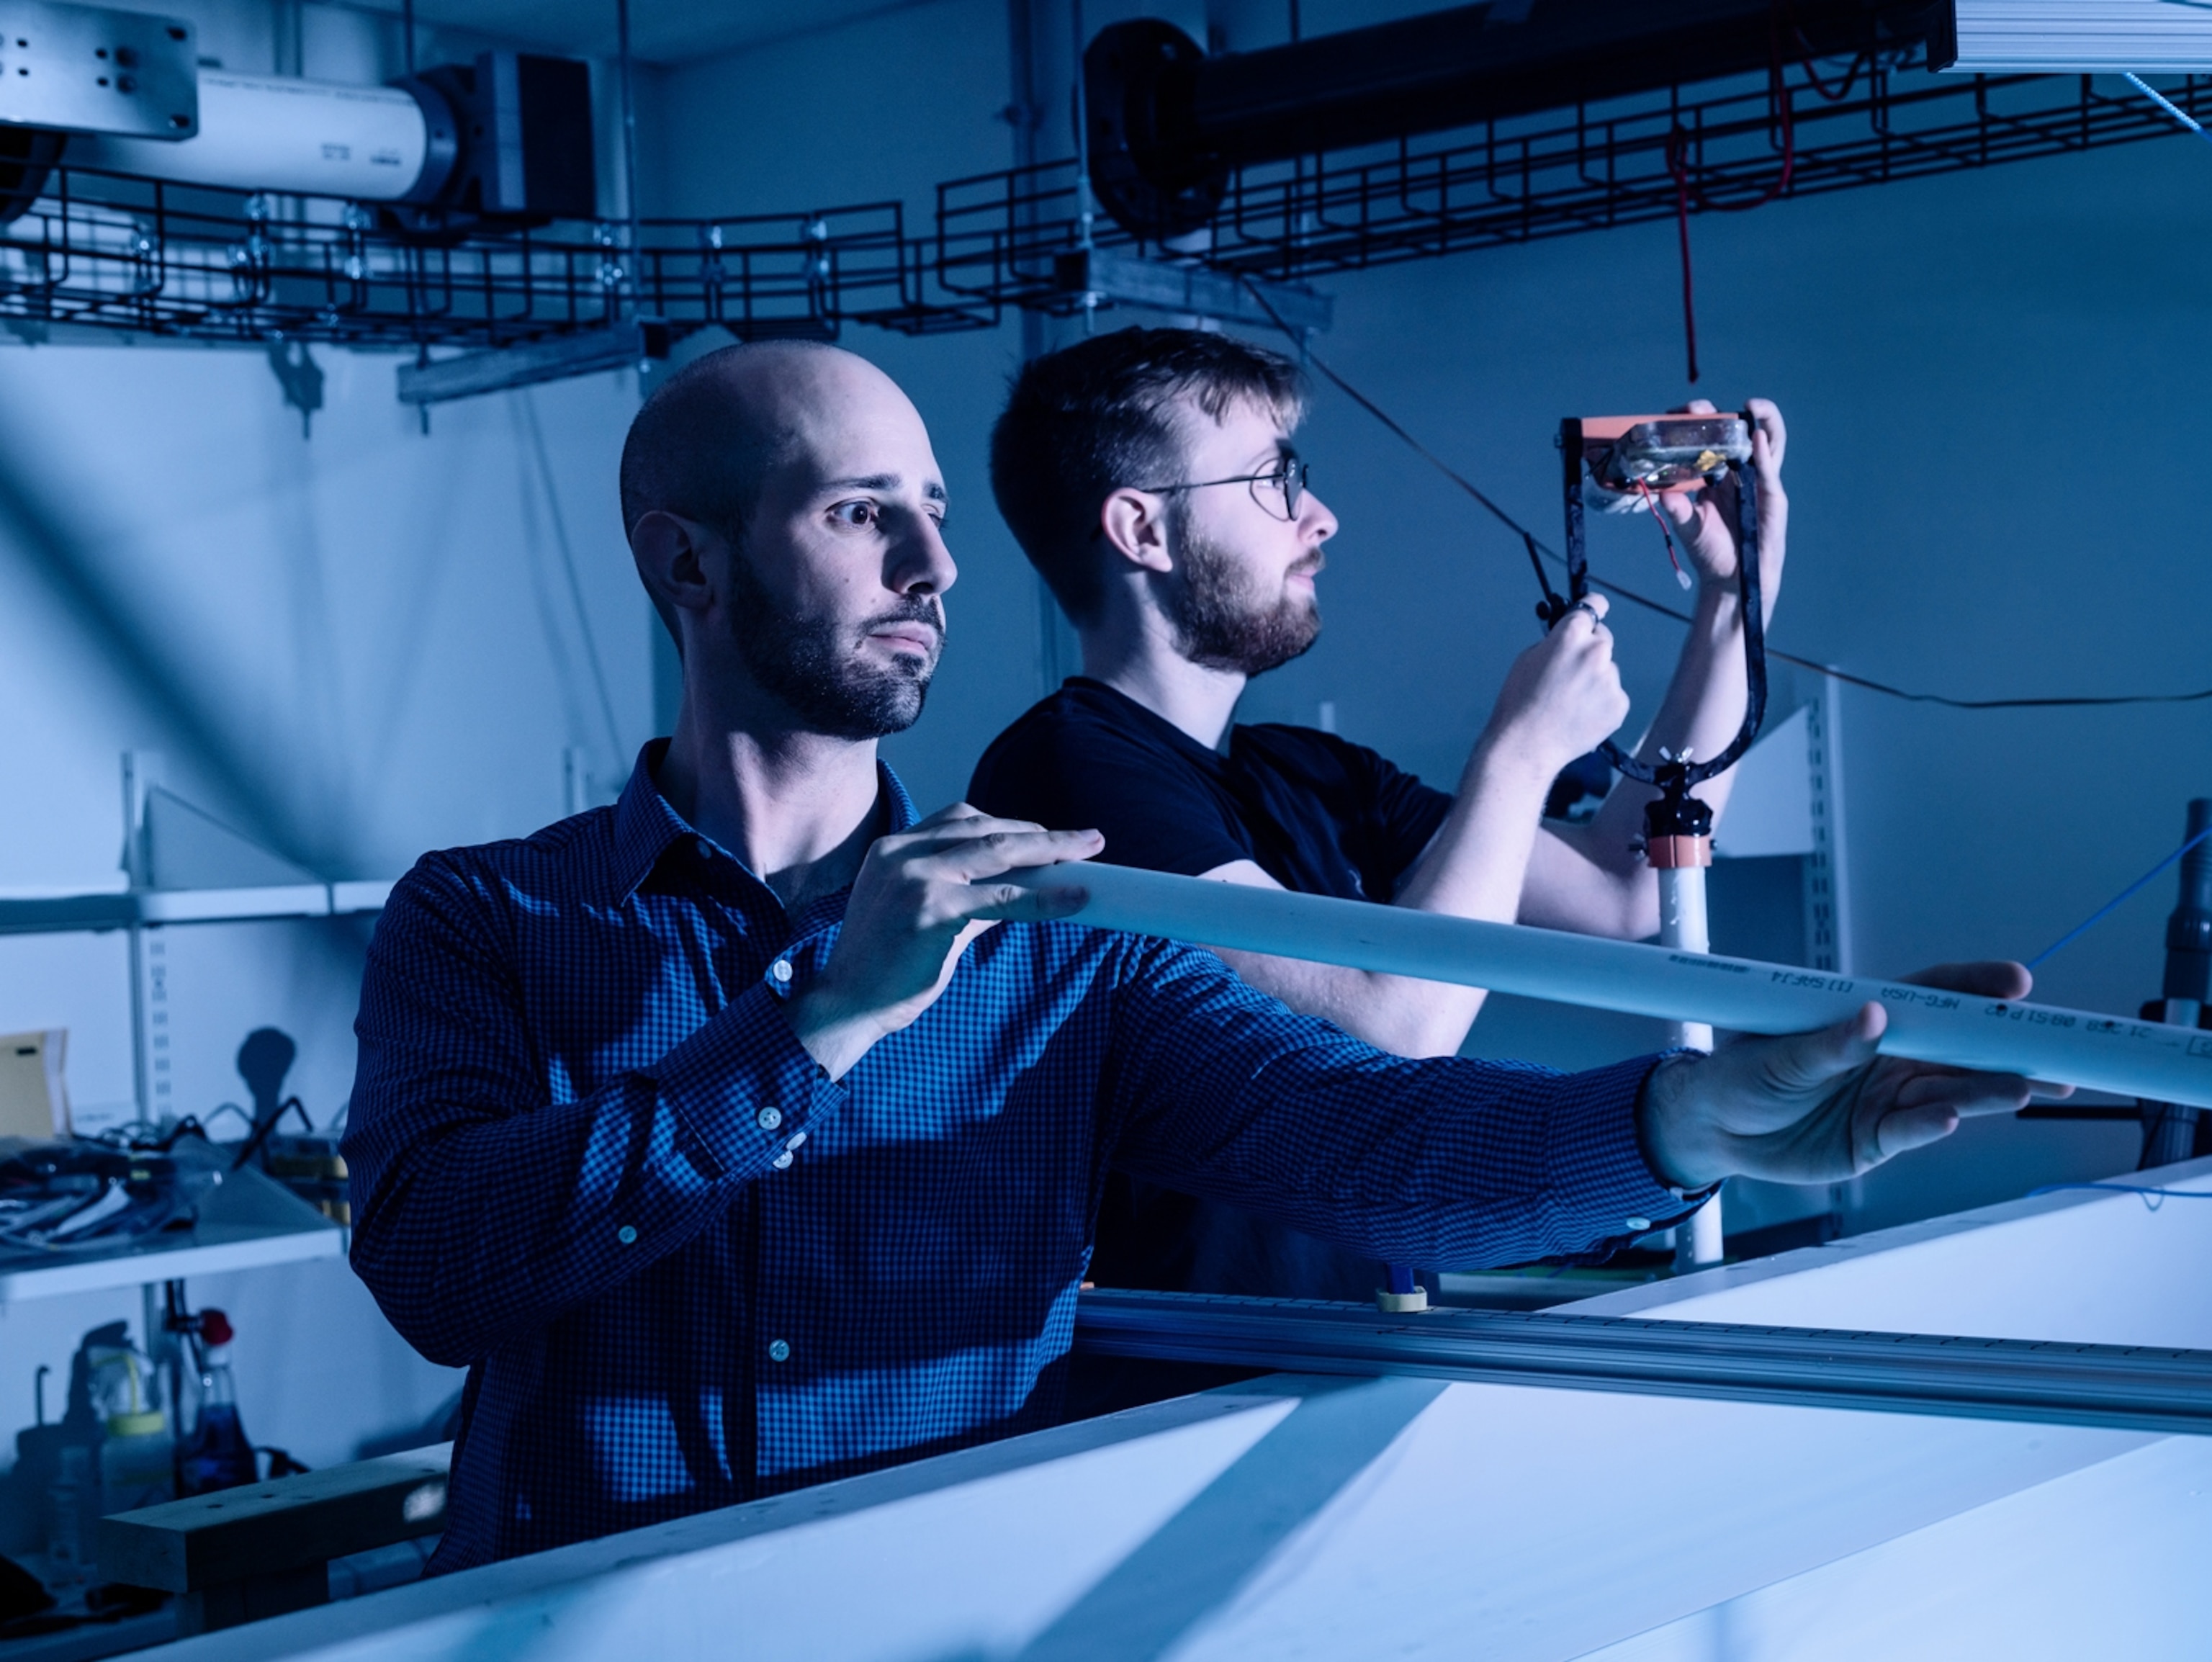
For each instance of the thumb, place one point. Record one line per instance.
(1805, 1062)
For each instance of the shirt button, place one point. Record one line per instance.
(770, 1119)
(778, 1350)
(794, 1140)
(781, 970)
(706, 849)
(783, 1161)
(626, 1235)
(1639, 1225)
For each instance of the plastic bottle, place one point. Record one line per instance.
(214, 1453)
(136, 1455)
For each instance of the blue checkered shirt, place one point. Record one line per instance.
(592, 1163)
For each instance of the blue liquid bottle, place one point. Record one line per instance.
(214, 1453)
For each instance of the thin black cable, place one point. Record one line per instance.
(2154, 1196)
(1536, 545)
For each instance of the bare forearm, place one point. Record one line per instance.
(1473, 867)
(1405, 1017)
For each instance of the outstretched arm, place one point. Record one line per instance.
(1590, 879)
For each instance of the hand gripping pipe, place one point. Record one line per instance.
(1959, 1030)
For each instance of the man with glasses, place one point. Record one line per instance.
(1150, 477)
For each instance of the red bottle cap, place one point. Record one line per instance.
(215, 1327)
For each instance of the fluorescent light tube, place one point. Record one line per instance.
(2075, 37)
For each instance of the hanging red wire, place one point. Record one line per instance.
(1678, 165)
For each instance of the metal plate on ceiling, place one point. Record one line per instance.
(89, 68)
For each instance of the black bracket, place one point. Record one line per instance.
(1675, 814)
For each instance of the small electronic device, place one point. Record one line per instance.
(1631, 455)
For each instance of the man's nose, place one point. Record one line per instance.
(1314, 518)
(920, 563)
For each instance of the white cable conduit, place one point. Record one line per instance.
(2106, 1053)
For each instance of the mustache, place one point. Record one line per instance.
(924, 609)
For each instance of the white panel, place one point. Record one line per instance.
(2099, 1268)
(1770, 809)
(2047, 37)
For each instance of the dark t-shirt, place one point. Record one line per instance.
(1319, 815)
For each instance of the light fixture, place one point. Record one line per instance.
(2073, 37)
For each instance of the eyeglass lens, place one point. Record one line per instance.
(1288, 478)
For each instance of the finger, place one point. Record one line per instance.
(1694, 407)
(949, 813)
(1766, 417)
(939, 832)
(1802, 1061)
(1965, 1093)
(1010, 902)
(1596, 604)
(1906, 1129)
(1766, 461)
(1985, 978)
(1004, 851)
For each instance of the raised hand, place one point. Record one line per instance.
(1704, 519)
(922, 895)
(1819, 1107)
(1563, 695)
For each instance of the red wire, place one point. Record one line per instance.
(1659, 520)
(1678, 165)
(1682, 228)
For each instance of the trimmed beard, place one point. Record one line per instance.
(802, 661)
(1216, 626)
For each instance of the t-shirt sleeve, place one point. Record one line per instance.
(1154, 809)
(1404, 815)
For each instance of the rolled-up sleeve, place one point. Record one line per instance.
(482, 1206)
(1219, 1089)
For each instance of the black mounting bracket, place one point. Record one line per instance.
(1675, 814)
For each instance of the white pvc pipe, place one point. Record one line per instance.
(1701, 1238)
(260, 132)
(2105, 1053)
(1682, 927)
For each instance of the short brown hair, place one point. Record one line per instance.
(1085, 422)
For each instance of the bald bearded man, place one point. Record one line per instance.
(729, 1145)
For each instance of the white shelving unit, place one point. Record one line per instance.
(185, 867)
(248, 1221)
(129, 908)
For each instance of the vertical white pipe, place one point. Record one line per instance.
(1682, 927)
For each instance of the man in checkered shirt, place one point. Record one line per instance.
(748, 1134)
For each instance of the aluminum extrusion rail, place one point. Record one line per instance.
(2138, 1388)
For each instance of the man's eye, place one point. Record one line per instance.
(854, 514)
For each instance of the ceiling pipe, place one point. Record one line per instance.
(1168, 125)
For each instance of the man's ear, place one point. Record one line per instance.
(670, 551)
(1135, 526)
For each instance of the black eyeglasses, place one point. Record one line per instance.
(1287, 477)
